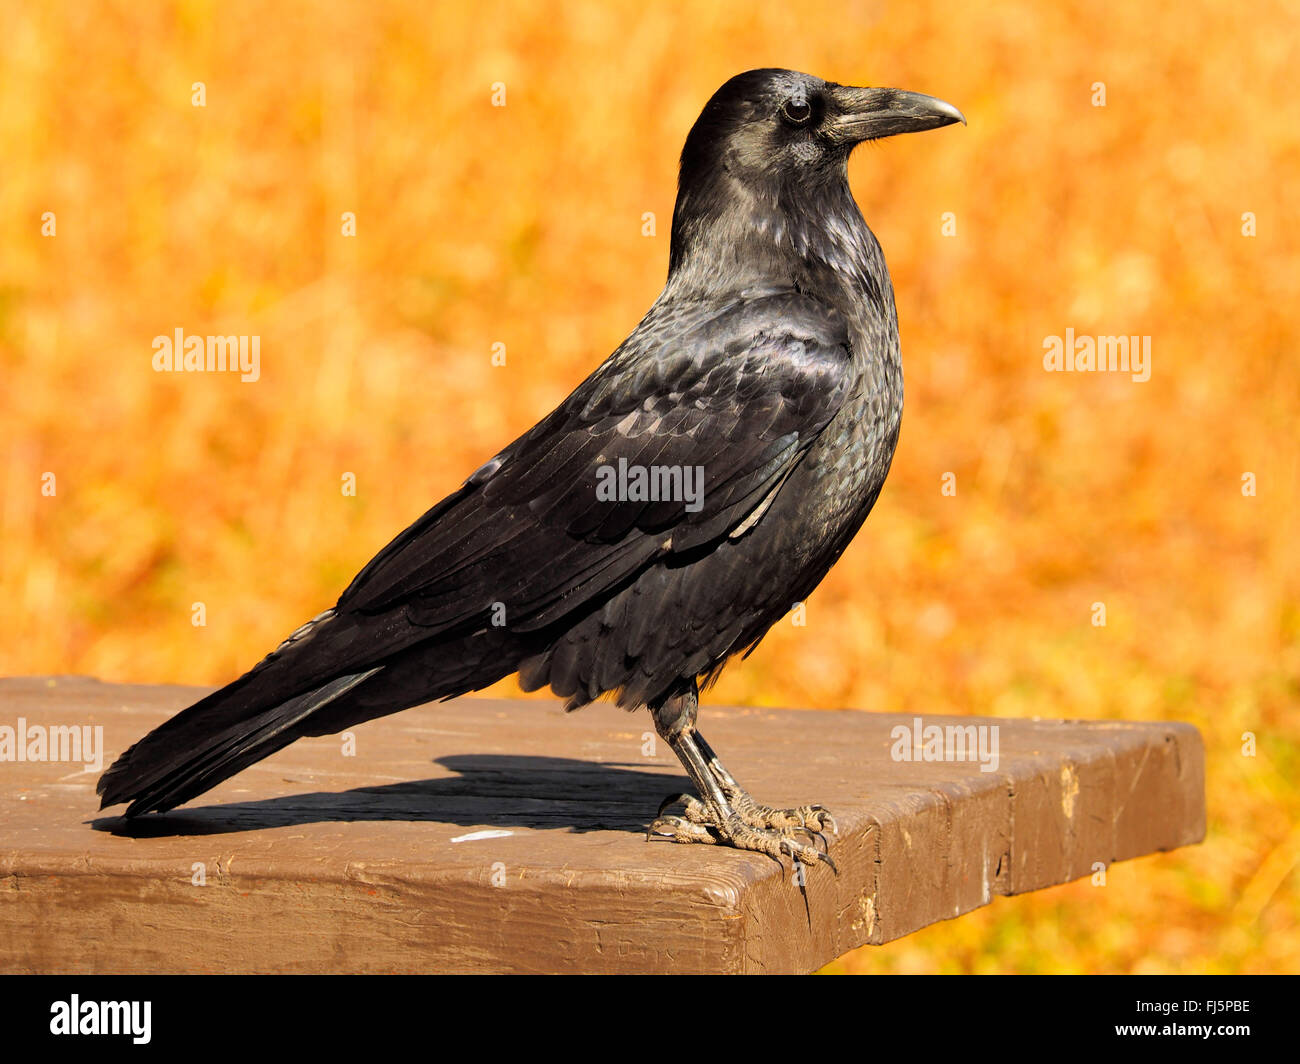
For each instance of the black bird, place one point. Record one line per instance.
(580, 556)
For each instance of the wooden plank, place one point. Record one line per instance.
(320, 861)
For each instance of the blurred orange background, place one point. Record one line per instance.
(523, 225)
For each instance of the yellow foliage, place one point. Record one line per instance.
(522, 225)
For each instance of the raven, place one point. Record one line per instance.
(769, 366)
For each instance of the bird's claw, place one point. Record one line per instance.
(679, 829)
(695, 810)
(816, 817)
(825, 818)
(804, 855)
(748, 827)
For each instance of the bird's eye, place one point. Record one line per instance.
(796, 111)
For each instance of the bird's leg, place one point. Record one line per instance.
(716, 816)
(815, 817)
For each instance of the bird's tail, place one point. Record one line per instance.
(171, 765)
(314, 683)
(247, 720)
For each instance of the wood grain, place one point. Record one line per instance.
(315, 861)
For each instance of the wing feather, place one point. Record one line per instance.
(740, 394)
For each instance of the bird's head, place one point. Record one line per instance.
(767, 125)
(778, 137)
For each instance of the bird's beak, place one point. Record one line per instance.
(870, 114)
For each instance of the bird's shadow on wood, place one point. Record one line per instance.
(487, 789)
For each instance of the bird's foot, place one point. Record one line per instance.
(812, 819)
(748, 826)
(816, 818)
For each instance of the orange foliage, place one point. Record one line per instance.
(523, 225)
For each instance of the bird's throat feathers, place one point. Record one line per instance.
(727, 235)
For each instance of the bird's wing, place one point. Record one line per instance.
(738, 394)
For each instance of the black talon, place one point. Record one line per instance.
(650, 831)
(672, 799)
(813, 836)
(824, 815)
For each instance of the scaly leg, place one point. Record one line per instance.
(725, 814)
(816, 817)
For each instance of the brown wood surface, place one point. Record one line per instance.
(320, 862)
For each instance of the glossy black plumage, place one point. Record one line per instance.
(770, 360)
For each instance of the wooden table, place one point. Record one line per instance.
(486, 835)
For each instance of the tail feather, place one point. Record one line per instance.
(157, 774)
(314, 683)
